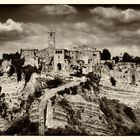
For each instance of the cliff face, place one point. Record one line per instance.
(81, 107)
(15, 99)
(91, 109)
(76, 111)
(121, 106)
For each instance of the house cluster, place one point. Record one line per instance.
(58, 60)
(80, 59)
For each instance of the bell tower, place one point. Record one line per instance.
(51, 39)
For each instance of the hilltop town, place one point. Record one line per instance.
(55, 60)
(75, 91)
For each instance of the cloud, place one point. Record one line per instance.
(112, 13)
(10, 25)
(111, 28)
(10, 30)
(58, 10)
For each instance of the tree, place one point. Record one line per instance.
(113, 81)
(105, 55)
(136, 60)
(116, 58)
(127, 58)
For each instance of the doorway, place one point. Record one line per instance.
(59, 66)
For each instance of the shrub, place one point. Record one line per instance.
(54, 83)
(1, 73)
(22, 126)
(110, 65)
(113, 81)
(135, 131)
(74, 90)
(129, 112)
(86, 85)
(38, 93)
(62, 92)
(67, 131)
(67, 91)
(28, 71)
(93, 77)
(116, 115)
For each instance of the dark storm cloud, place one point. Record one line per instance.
(120, 24)
(37, 13)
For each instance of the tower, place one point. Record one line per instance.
(51, 39)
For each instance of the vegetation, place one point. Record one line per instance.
(73, 117)
(136, 60)
(67, 131)
(3, 106)
(105, 55)
(17, 66)
(54, 83)
(117, 116)
(109, 64)
(28, 71)
(93, 77)
(22, 126)
(113, 81)
(127, 58)
(116, 58)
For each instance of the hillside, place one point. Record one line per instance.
(76, 107)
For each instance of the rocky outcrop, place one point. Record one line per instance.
(17, 98)
(76, 108)
(121, 106)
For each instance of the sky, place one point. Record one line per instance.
(114, 27)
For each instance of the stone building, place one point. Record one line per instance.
(30, 56)
(57, 60)
(61, 60)
(89, 56)
(45, 56)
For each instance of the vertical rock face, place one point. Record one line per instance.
(34, 111)
(16, 100)
(120, 104)
(77, 110)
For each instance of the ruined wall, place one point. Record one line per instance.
(124, 73)
(30, 56)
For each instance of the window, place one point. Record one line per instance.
(58, 51)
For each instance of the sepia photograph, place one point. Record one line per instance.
(70, 70)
